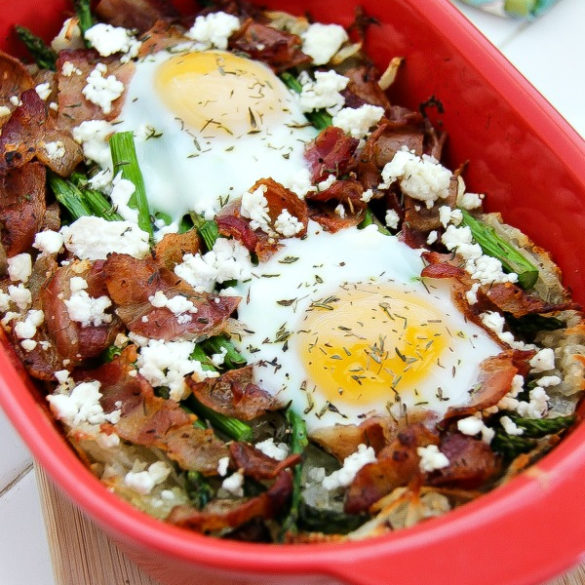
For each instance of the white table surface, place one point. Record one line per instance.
(550, 52)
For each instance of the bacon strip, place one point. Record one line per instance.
(330, 153)
(256, 464)
(135, 14)
(222, 514)
(363, 87)
(14, 79)
(234, 394)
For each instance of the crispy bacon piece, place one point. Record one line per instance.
(324, 205)
(397, 465)
(170, 250)
(234, 394)
(63, 165)
(151, 421)
(254, 463)
(161, 36)
(72, 340)
(330, 153)
(363, 87)
(22, 207)
(471, 462)
(230, 223)
(14, 78)
(222, 514)
(22, 132)
(135, 14)
(131, 282)
(277, 48)
(74, 108)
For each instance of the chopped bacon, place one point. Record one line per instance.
(471, 462)
(256, 464)
(21, 133)
(74, 108)
(230, 224)
(135, 14)
(62, 165)
(277, 48)
(14, 79)
(72, 340)
(234, 394)
(170, 250)
(330, 153)
(22, 207)
(161, 36)
(222, 514)
(397, 465)
(131, 282)
(419, 217)
(363, 87)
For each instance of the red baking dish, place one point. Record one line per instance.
(530, 163)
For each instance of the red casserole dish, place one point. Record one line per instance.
(530, 163)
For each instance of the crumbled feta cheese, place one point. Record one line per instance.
(55, 150)
(448, 215)
(543, 361)
(213, 30)
(43, 90)
(323, 93)
(107, 441)
(392, 219)
(340, 211)
(218, 359)
(68, 69)
(432, 237)
(166, 363)
(69, 37)
(496, 323)
(470, 425)
(93, 238)
(287, 225)
(20, 296)
(537, 406)
(254, 206)
(351, 465)
(367, 195)
(223, 465)
(82, 405)
(107, 40)
(326, 183)
(100, 90)
(471, 294)
(102, 180)
(470, 201)
(227, 260)
(84, 309)
(15, 101)
(278, 451)
(93, 136)
(357, 121)
(178, 304)
(299, 183)
(62, 376)
(48, 242)
(122, 191)
(422, 178)
(144, 482)
(234, 485)
(431, 458)
(510, 427)
(4, 301)
(20, 267)
(4, 111)
(28, 344)
(548, 381)
(322, 41)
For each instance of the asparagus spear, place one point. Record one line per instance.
(198, 488)
(124, 159)
(320, 118)
(69, 196)
(206, 228)
(94, 199)
(494, 245)
(370, 219)
(43, 55)
(540, 427)
(232, 359)
(86, 21)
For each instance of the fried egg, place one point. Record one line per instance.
(341, 326)
(208, 125)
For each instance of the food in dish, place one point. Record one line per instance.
(333, 346)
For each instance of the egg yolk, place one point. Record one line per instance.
(219, 94)
(368, 343)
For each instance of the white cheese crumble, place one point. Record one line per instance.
(15, 101)
(392, 219)
(422, 178)
(543, 361)
(101, 90)
(227, 260)
(166, 363)
(234, 485)
(122, 191)
(432, 237)
(222, 466)
(471, 294)
(496, 323)
(510, 427)
(473, 425)
(340, 211)
(4, 111)
(144, 481)
(287, 225)
(178, 305)
(357, 121)
(367, 195)
(20, 296)
(68, 69)
(323, 93)
(43, 90)
(431, 458)
(351, 465)
(322, 41)
(28, 344)
(93, 136)
(213, 30)
(4, 301)
(278, 451)
(548, 381)
(470, 201)
(254, 207)
(55, 150)
(93, 238)
(107, 40)
(48, 242)
(448, 215)
(84, 309)
(20, 267)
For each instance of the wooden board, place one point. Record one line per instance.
(83, 555)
